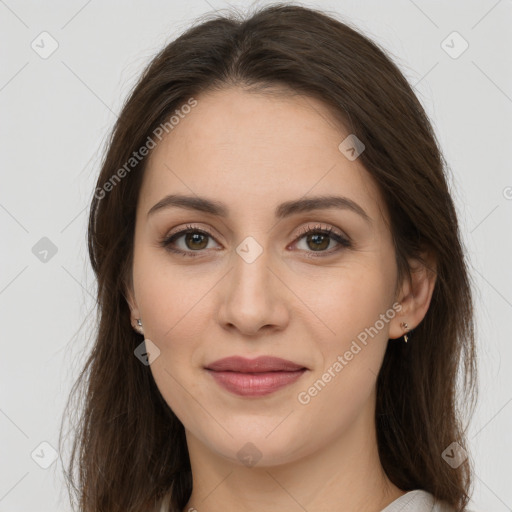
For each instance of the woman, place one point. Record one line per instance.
(284, 303)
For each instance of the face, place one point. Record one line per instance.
(264, 268)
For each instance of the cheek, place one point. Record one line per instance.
(176, 319)
(355, 305)
(172, 309)
(340, 389)
(352, 299)
(176, 316)
(171, 298)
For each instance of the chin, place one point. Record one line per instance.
(252, 448)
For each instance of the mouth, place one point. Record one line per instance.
(254, 377)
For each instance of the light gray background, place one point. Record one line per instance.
(56, 114)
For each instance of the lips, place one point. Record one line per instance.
(254, 377)
(259, 365)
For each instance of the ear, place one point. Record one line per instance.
(132, 303)
(415, 295)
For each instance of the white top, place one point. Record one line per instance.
(412, 501)
(418, 501)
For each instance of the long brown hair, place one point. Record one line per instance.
(129, 448)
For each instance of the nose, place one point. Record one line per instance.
(253, 297)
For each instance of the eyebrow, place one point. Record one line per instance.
(282, 211)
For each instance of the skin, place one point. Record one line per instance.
(252, 152)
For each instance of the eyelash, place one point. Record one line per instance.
(344, 242)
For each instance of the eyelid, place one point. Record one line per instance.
(188, 227)
(319, 227)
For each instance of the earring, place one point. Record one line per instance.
(139, 326)
(404, 326)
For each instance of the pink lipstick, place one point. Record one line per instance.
(254, 377)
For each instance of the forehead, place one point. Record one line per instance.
(252, 149)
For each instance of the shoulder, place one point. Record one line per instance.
(418, 501)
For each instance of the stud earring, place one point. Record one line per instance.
(139, 326)
(405, 326)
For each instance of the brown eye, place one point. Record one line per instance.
(188, 242)
(196, 240)
(318, 241)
